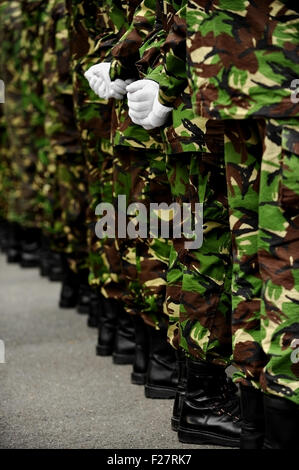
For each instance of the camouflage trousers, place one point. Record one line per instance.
(72, 197)
(62, 193)
(19, 195)
(100, 187)
(139, 264)
(93, 120)
(262, 168)
(199, 280)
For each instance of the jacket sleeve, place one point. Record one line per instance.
(126, 53)
(170, 72)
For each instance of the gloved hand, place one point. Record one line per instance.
(144, 106)
(100, 82)
(141, 96)
(99, 79)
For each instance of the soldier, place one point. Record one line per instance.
(139, 174)
(31, 128)
(89, 23)
(243, 67)
(65, 188)
(11, 28)
(198, 292)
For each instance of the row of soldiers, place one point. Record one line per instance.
(165, 101)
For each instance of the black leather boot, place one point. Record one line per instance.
(57, 266)
(96, 306)
(13, 251)
(85, 292)
(140, 364)
(45, 257)
(69, 295)
(4, 234)
(281, 423)
(181, 389)
(162, 373)
(211, 408)
(107, 327)
(30, 248)
(252, 415)
(124, 345)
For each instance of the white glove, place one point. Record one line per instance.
(141, 96)
(99, 79)
(100, 82)
(144, 106)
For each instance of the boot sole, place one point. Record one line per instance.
(138, 378)
(195, 437)
(154, 391)
(104, 350)
(123, 359)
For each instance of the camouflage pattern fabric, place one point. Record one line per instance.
(94, 28)
(243, 57)
(52, 224)
(32, 111)
(262, 158)
(198, 281)
(143, 268)
(11, 157)
(253, 78)
(66, 184)
(142, 178)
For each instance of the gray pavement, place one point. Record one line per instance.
(54, 391)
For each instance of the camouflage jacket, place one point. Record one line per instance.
(243, 58)
(125, 55)
(187, 132)
(88, 25)
(60, 122)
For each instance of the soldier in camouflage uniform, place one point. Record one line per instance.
(25, 113)
(11, 29)
(139, 174)
(92, 118)
(10, 40)
(136, 148)
(32, 109)
(91, 33)
(66, 188)
(194, 147)
(198, 294)
(249, 82)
